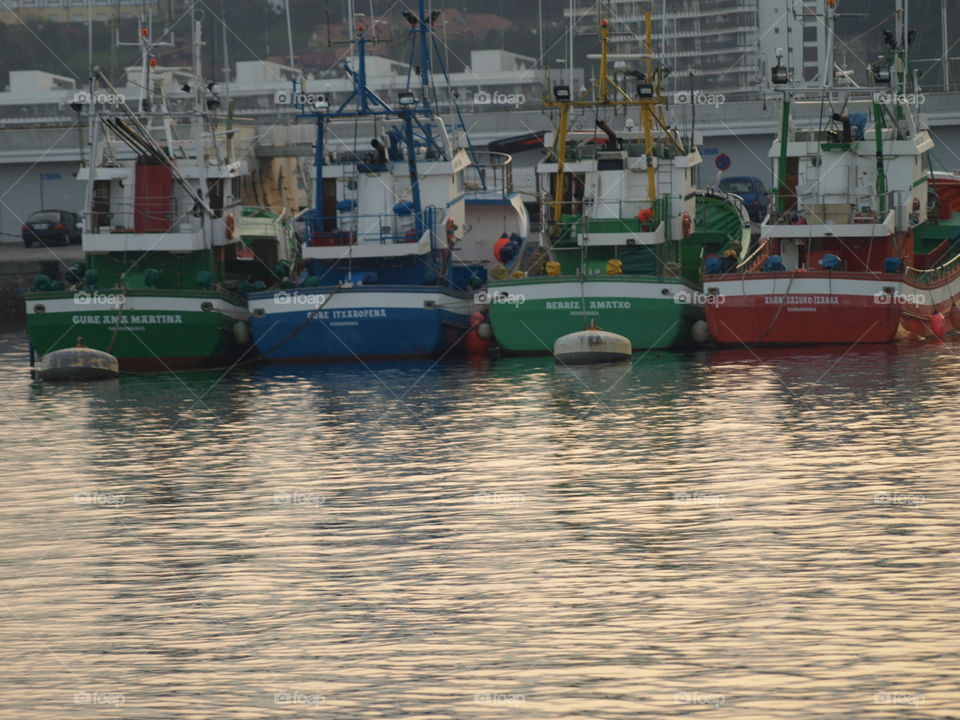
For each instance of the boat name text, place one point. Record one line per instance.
(341, 314)
(592, 305)
(802, 300)
(127, 319)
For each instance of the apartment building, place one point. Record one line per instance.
(16, 11)
(719, 46)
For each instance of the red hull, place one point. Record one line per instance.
(818, 309)
(748, 320)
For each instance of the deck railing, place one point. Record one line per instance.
(826, 209)
(947, 270)
(353, 229)
(492, 171)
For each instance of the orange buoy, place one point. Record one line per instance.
(500, 245)
(938, 324)
(475, 344)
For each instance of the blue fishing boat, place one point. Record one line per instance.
(408, 221)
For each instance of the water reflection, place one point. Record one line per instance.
(721, 532)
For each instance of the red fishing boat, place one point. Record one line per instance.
(863, 242)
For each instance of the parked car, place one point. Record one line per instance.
(52, 227)
(752, 191)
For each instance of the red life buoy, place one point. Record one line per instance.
(231, 225)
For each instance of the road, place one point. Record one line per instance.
(16, 253)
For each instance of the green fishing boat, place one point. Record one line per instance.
(625, 230)
(165, 270)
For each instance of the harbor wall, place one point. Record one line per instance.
(19, 266)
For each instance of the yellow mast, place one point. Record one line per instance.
(560, 150)
(648, 104)
(604, 32)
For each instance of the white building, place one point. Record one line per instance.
(727, 46)
(15, 11)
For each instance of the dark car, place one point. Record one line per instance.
(752, 191)
(51, 227)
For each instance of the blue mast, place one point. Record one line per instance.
(368, 104)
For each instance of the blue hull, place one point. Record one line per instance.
(357, 324)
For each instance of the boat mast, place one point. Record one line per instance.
(646, 110)
(609, 94)
(368, 104)
(197, 120)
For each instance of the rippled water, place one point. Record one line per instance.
(715, 534)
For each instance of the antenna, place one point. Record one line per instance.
(147, 61)
(289, 33)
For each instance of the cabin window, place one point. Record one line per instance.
(215, 197)
(101, 205)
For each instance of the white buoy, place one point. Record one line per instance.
(592, 346)
(78, 363)
(700, 332)
(241, 333)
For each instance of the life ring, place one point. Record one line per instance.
(451, 229)
(231, 224)
(687, 224)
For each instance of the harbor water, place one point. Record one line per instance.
(720, 534)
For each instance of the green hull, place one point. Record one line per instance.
(150, 330)
(528, 315)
